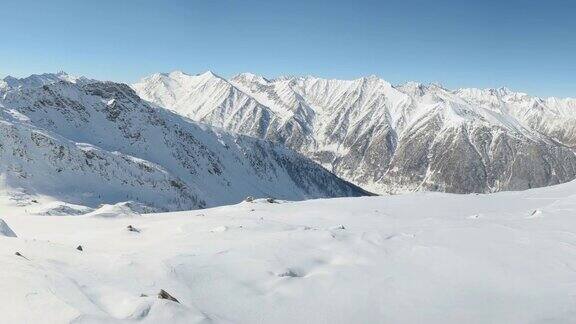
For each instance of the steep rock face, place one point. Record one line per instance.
(392, 138)
(88, 142)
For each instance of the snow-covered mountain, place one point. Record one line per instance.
(389, 138)
(88, 142)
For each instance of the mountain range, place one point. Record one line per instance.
(87, 142)
(389, 138)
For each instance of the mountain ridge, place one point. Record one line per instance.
(90, 142)
(389, 138)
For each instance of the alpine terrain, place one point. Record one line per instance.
(426, 257)
(86, 142)
(389, 138)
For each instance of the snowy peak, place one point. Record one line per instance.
(495, 93)
(209, 74)
(180, 79)
(248, 78)
(38, 80)
(413, 89)
(179, 75)
(210, 99)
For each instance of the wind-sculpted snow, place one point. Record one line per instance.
(87, 143)
(390, 138)
(506, 257)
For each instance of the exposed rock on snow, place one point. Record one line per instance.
(289, 273)
(535, 214)
(18, 254)
(389, 138)
(59, 208)
(165, 295)
(131, 228)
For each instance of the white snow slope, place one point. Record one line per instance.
(507, 257)
(87, 142)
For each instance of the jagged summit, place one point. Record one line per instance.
(183, 75)
(177, 73)
(36, 80)
(250, 77)
(15, 82)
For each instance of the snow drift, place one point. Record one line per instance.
(507, 257)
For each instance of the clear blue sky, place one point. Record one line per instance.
(526, 45)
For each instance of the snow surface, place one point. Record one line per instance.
(508, 257)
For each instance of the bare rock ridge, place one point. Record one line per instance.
(389, 138)
(89, 143)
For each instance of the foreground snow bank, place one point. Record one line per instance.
(421, 258)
